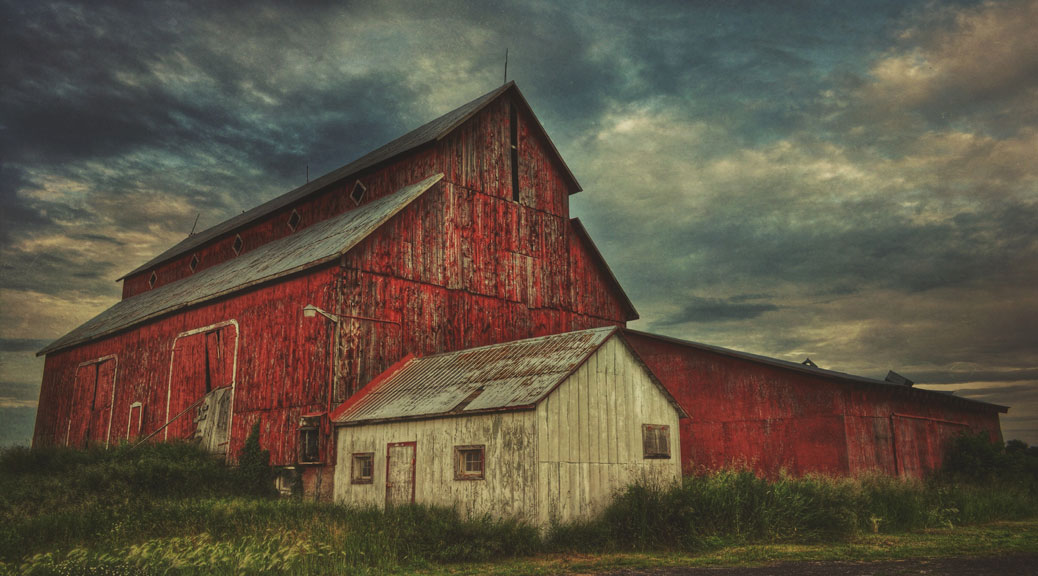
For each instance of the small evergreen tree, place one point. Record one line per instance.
(255, 475)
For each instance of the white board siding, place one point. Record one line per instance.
(589, 435)
(509, 487)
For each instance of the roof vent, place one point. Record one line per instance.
(895, 378)
(809, 363)
(238, 244)
(358, 192)
(153, 279)
(293, 220)
(194, 263)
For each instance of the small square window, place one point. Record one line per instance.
(363, 468)
(656, 441)
(358, 192)
(238, 244)
(194, 263)
(153, 279)
(468, 462)
(293, 220)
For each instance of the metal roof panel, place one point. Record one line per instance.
(506, 376)
(311, 246)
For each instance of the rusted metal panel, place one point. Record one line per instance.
(510, 375)
(318, 244)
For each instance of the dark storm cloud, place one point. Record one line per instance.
(715, 310)
(21, 344)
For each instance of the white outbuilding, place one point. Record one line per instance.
(543, 429)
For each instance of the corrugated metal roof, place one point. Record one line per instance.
(512, 375)
(811, 369)
(435, 130)
(322, 242)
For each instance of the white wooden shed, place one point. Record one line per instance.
(542, 429)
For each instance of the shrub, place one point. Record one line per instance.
(255, 475)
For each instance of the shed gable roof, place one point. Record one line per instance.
(425, 134)
(314, 245)
(509, 376)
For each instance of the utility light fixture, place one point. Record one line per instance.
(309, 311)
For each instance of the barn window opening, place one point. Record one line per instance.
(309, 445)
(293, 221)
(194, 263)
(363, 467)
(357, 194)
(513, 127)
(468, 462)
(238, 244)
(153, 279)
(655, 441)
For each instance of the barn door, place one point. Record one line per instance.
(400, 473)
(202, 362)
(80, 410)
(101, 414)
(91, 412)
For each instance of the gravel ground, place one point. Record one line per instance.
(1012, 565)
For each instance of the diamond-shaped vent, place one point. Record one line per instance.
(153, 279)
(238, 244)
(358, 192)
(293, 220)
(194, 263)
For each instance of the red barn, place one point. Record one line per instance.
(455, 235)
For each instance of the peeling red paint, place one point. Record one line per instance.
(769, 418)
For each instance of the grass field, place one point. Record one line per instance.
(171, 509)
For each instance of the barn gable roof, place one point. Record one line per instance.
(324, 241)
(814, 370)
(431, 132)
(500, 377)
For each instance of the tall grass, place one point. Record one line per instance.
(736, 507)
(171, 508)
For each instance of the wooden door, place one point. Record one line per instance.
(400, 473)
(81, 410)
(101, 412)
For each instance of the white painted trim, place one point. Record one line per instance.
(111, 406)
(234, 370)
(129, 418)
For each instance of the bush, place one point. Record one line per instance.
(255, 475)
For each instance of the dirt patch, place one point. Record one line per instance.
(964, 566)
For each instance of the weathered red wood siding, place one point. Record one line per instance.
(282, 365)
(746, 413)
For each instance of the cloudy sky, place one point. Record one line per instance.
(855, 182)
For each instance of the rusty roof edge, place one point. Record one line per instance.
(652, 375)
(370, 387)
(411, 418)
(625, 300)
(58, 345)
(576, 365)
(796, 367)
